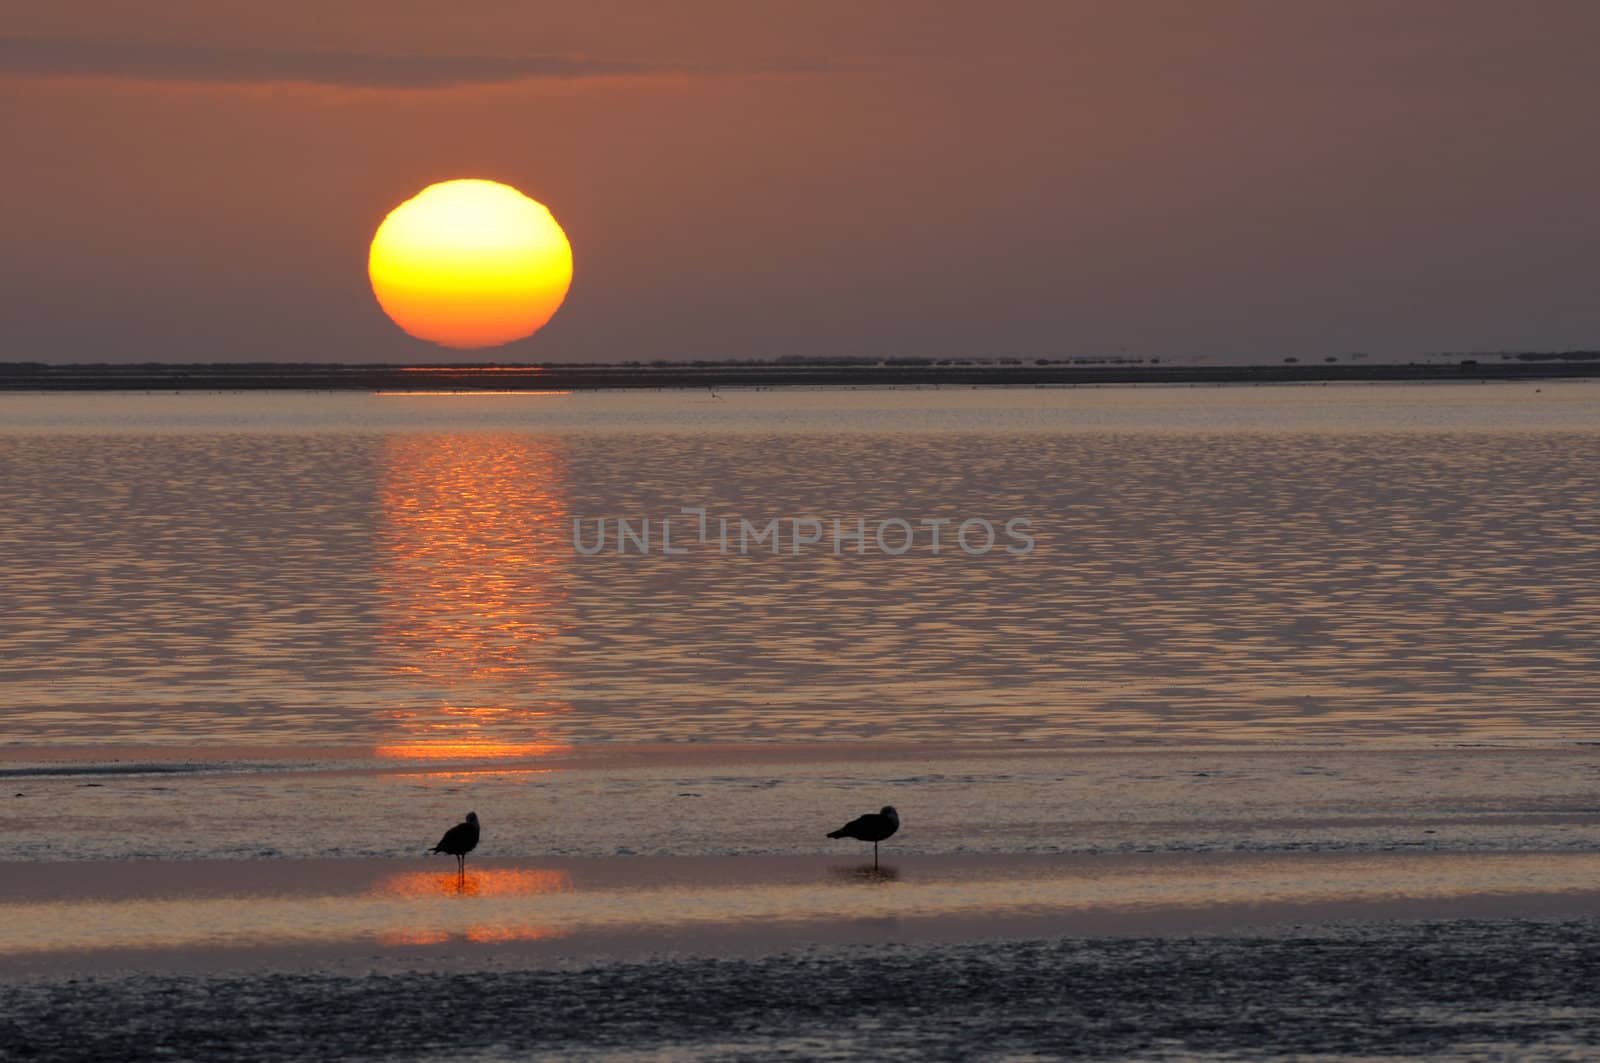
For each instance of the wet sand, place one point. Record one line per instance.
(1301, 762)
(1149, 955)
(1141, 903)
(345, 916)
(1445, 989)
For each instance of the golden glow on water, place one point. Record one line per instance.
(477, 882)
(468, 749)
(1338, 577)
(470, 264)
(471, 585)
(507, 905)
(500, 935)
(395, 939)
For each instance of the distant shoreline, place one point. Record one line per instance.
(259, 376)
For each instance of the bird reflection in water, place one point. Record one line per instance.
(478, 935)
(868, 874)
(478, 882)
(500, 918)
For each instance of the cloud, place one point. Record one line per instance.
(71, 56)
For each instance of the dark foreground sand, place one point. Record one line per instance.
(1119, 956)
(1454, 989)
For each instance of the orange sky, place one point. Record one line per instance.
(199, 180)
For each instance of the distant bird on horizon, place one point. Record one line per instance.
(873, 827)
(460, 840)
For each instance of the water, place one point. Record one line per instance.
(250, 626)
(395, 573)
(1278, 654)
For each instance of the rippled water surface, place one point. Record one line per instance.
(1278, 654)
(1245, 564)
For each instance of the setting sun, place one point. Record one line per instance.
(470, 263)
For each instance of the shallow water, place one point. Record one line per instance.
(1332, 648)
(711, 801)
(249, 626)
(1241, 565)
(399, 914)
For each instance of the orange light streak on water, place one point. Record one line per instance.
(470, 563)
(531, 904)
(468, 749)
(477, 882)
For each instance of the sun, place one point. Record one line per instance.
(470, 263)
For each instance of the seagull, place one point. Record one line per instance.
(873, 827)
(460, 840)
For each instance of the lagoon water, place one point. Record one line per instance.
(249, 614)
(259, 615)
(1277, 656)
(1303, 564)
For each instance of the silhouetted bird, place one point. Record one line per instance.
(873, 827)
(460, 840)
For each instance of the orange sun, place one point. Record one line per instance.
(470, 264)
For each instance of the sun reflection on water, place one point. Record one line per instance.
(468, 749)
(502, 921)
(498, 935)
(477, 882)
(471, 589)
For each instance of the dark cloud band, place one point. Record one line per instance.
(63, 56)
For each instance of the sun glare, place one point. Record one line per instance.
(470, 264)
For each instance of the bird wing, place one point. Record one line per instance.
(454, 837)
(859, 825)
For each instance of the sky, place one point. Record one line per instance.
(199, 180)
